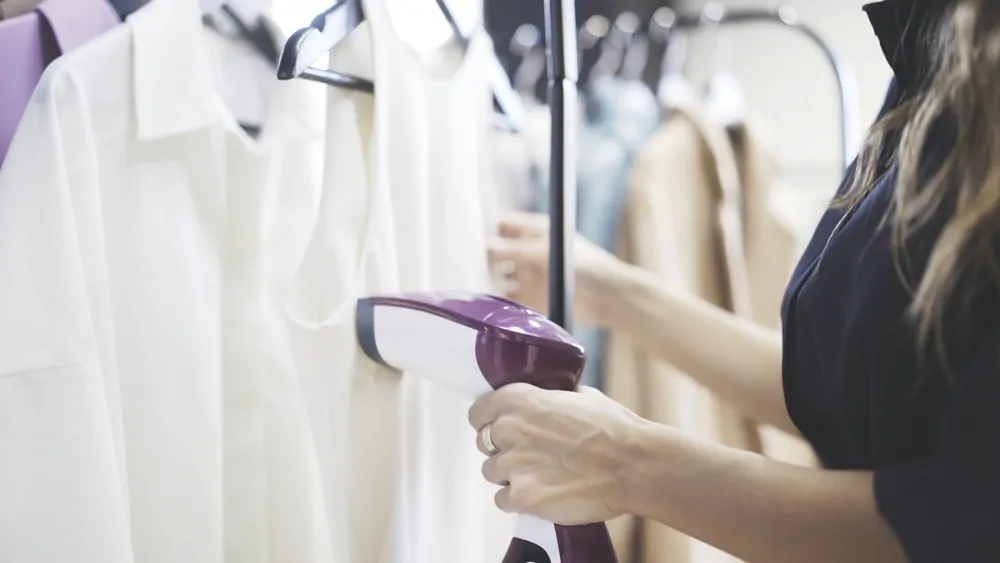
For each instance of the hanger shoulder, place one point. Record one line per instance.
(726, 100)
(327, 29)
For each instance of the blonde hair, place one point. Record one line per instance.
(962, 86)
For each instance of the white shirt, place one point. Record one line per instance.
(168, 393)
(149, 406)
(411, 476)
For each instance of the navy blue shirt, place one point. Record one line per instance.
(855, 384)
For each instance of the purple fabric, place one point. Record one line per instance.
(74, 22)
(33, 47)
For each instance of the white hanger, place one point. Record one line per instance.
(725, 99)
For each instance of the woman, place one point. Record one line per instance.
(889, 361)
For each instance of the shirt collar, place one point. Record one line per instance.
(902, 28)
(174, 91)
(173, 87)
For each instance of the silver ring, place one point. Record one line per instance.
(486, 436)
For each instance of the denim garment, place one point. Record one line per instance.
(621, 115)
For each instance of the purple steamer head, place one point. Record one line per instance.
(475, 344)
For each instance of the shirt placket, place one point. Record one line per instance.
(244, 355)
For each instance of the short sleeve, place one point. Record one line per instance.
(947, 508)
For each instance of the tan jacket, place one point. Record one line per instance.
(697, 214)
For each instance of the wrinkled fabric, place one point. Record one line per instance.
(151, 411)
(672, 227)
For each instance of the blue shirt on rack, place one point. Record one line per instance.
(621, 114)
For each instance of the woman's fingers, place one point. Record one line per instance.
(522, 225)
(498, 436)
(493, 406)
(502, 499)
(499, 249)
(481, 444)
(498, 410)
(483, 411)
(514, 497)
(495, 470)
(520, 262)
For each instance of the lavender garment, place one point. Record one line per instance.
(72, 23)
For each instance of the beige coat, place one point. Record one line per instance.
(697, 214)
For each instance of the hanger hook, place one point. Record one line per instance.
(713, 14)
(665, 29)
(662, 24)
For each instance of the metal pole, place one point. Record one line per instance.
(563, 72)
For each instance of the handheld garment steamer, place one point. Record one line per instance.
(474, 344)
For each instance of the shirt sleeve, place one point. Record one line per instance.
(62, 493)
(947, 508)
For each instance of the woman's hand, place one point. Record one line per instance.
(521, 253)
(559, 455)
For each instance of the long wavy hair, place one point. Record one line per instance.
(962, 84)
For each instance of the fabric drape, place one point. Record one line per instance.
(697, 214)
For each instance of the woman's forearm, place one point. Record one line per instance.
(752, 507)
(736, 359)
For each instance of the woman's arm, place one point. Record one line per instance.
(575, 458)
(736, 359)
(752, 507)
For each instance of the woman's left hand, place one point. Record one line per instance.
(558, 455)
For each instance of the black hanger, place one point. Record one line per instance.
(525, 40)
(259, 35)
(589, 37)
(614, 46)
(529, 54)
(676, 43)
(331, 27)
(636, 57)
(325, 32)
(126, 7)
(661, 25)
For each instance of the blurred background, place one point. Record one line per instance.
(789, 88)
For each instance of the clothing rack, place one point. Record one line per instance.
(562, 68)
(715, 14)
(563, 75)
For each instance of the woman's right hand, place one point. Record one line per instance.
(521, 254)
